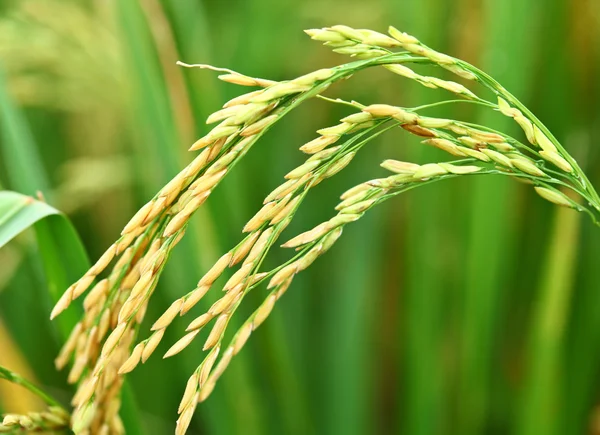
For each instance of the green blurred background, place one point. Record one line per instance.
(467, 307)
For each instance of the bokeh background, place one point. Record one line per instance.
(466, 307)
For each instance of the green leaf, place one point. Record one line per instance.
(63, 256)
(21, 158)
(64, 260)
(18, 212)
(491, 232)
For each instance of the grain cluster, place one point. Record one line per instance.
(103, 347)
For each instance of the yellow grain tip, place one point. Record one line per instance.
(400, 167)
(263, 311)
(554, 196)
(216, 270)
(184, 420)
(307, 236)
(216, 332)
(238, 276)
(222, 364)
(199, 322)
(83, 284)
(557, 159)
(206, 390)
(192, 299)
(152, 344)
(114, 338)
(242, 337)
(133, 360)
(63, 303)
(168, 316)
(260, 217)
(138, 219)
(191, 389)
(181, 344)
(244, 248)
(223, 304)
(142, 285)
(282, 275)
(207, 365)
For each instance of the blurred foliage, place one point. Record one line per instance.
(468, 307)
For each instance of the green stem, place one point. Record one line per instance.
(575, 187)
(441, 103)
(499, 90)
(348, 146)
(542, 392)
(18, 380)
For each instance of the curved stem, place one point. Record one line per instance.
(499, 90)
(353, 104)
(440, 103)
(18, 380)
(353, 144)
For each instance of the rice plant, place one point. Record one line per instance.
(108, 341)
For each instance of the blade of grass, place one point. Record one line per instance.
(14, 398)
(582, 345)
(26, 289)
(158, 157)
(190, 25)
(247, 40)
(542, 393)
(424, 391)
(153, 96)
(64, 260)
(543, 402)
(582, 354)
(57, 238)
(63, 255)
(22, 163)
(490, 234)
(349, 326)
(25, 172)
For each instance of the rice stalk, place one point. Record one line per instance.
(115, 306)
(509, 105)
(171, 208)
(355, 203)
(312, 244)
